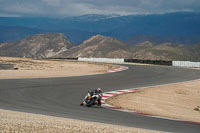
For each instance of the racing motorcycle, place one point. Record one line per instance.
(90, 99)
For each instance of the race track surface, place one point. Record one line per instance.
(61, 96)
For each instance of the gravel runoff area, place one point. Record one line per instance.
(30, 68)
(18, 122)
(178, 101)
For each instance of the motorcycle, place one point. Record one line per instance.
(90, 99)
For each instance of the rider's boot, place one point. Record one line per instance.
(81, 103)
(99, 102)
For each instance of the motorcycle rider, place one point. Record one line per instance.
(97, 92)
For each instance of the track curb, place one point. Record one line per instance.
(121, 68)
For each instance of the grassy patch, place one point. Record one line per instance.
(197, 108)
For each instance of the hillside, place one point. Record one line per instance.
(37, 46)
(99, 46)
(56, 45)
(166, 51)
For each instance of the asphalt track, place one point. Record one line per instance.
(61, 96)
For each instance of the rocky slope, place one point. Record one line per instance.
(166, 51)
(37, 46)
(100, 46)
(57, 45)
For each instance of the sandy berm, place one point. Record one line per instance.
(30, 68)
(19, 122)
(177, 101)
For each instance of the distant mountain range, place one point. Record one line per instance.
(175, 28)
(57, 45)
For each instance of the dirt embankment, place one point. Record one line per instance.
(17, 122)
(179, 101)
(30, 68)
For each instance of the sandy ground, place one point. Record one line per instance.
(179, 101)
(29, 68)
(17, 122)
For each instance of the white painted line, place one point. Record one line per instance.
(109, 95)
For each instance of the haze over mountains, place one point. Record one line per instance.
(57, 45)
(176, 28)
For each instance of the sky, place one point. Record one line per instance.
(64, 8)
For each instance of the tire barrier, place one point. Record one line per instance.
(155, 62)
(121, 60)
(63, 58)
(114, 60)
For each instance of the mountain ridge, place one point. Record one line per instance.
(53, 45)
(37, 46)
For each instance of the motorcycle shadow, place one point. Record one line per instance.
(94, 107)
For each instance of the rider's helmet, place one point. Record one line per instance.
(99, 90)
(90, 92)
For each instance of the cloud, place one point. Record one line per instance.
(63, 8)
(54, 3)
